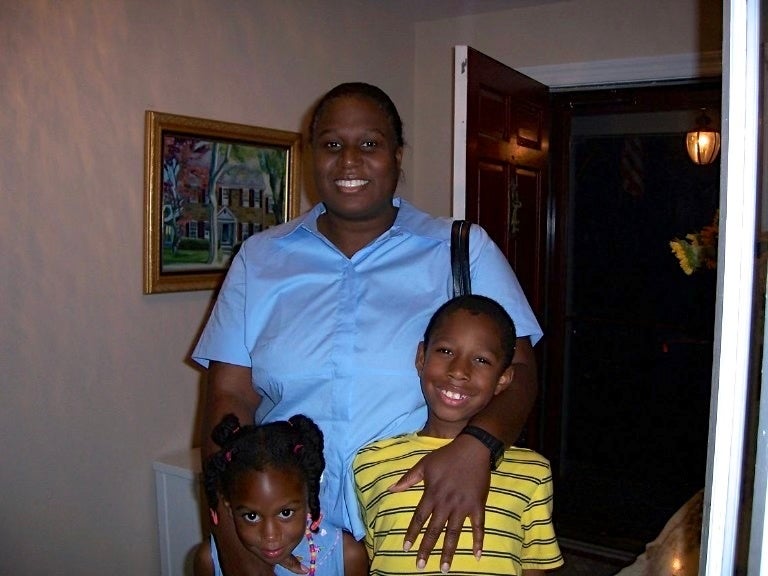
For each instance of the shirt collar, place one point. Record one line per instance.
(404, 220)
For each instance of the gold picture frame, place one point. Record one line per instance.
(208, 186)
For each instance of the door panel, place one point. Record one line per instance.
(506, 166)
(528, 253)
(501, 141)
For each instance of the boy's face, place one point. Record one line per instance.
(461, 369)
(270, 512)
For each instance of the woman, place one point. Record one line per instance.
(320, 315)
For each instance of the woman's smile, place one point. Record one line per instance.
(351, 185)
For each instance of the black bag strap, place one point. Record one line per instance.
(460, 257)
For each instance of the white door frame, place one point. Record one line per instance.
(734, 313)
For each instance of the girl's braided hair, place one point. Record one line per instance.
(293, 444)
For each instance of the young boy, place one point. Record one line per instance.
(464, 360)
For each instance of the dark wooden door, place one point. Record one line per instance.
(507, 142)
(507, 145)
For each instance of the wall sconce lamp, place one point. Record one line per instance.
(703, 142)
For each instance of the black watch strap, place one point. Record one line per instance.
(494, 445)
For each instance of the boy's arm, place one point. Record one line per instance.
(457, 476)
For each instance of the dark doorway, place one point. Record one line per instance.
(628, 359)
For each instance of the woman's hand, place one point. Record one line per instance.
(456, 479)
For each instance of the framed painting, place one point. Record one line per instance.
(209, 185)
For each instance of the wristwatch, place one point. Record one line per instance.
(494, 445)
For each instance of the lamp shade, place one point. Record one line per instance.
(703, 143)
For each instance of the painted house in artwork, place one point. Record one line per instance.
(244, 205)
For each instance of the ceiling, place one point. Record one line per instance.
(421, 10)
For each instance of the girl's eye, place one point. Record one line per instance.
(287, 513)
(369, 144)
(443, 351)
(333, 145)
(251, 517)
(482, 360)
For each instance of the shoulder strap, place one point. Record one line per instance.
(460, 257)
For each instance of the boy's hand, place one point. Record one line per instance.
(456, 478)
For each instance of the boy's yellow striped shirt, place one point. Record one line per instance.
(518, 518)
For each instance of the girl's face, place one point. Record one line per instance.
(356, 159)
(270, 512)
(461, 369)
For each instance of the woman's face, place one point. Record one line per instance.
(270, 512)
(356, 159)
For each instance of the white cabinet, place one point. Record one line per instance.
(180, 503)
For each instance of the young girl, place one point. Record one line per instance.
(268, 477)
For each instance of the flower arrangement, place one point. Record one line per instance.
(699, 249)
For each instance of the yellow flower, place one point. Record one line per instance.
(698, 249)
(682, 250)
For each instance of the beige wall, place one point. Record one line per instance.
(96, 382)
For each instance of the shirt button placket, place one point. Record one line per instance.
(345, 341)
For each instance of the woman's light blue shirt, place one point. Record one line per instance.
(335, 338)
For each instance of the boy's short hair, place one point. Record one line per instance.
(476, 304)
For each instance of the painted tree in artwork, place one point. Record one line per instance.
(273, 163)
(185, 171)
(220, 161)
(172, 201)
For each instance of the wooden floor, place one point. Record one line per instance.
(585, 560)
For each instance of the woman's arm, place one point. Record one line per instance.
(457, 477)
(508, 412)
(202, 562)
(230, 391)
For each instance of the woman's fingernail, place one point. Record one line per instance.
(445, 568)
(420, 564)
(407, 546)
(478, 555)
